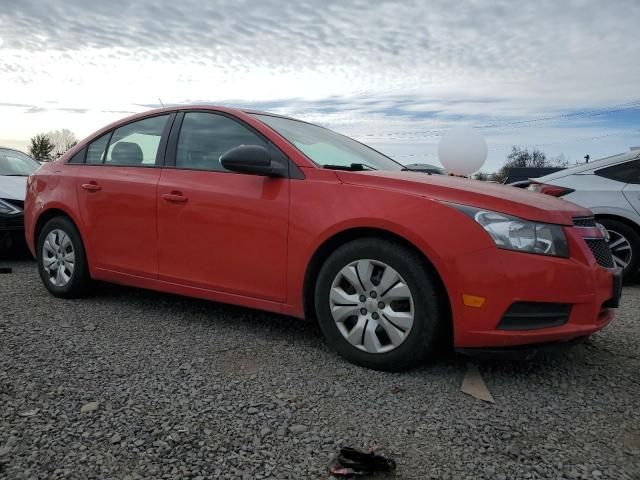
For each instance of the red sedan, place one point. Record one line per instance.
(277, 214)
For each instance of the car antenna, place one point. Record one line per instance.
(161, 102)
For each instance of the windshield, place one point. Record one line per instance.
(327, 148)
(16, 164)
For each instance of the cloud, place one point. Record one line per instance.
(414, 41)
(393, 72)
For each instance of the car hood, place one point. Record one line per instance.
(13, 188)
(499, 198)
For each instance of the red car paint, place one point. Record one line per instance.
(249, 240)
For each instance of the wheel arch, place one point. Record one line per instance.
(53, 212)
(47, 215)
(612, 216)
(340, 238)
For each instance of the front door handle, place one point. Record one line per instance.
(175, 197)
(91, 187)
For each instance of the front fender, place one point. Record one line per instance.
(321, 210)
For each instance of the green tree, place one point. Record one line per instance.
(41, 148)
(522, 157)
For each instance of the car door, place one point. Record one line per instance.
(116, 189)
(217, 229)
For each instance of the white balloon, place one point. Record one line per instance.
(462, 151)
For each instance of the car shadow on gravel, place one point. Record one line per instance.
(193, 309)
(591, 357)
(19, 254)
(273, 328)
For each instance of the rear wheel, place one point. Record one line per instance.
(377, 305)
(61, 259)
(624, 242)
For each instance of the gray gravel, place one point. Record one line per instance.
(133, 384)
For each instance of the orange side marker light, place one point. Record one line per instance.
(473, 300)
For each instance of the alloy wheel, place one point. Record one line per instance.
(58, 257)
(620, 249)
(372, 306)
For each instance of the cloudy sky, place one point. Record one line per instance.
(561, 75)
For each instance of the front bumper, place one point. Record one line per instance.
(12, 223)
(577, 285)
(11, 230)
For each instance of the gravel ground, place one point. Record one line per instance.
(190, 389)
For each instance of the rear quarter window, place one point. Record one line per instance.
(628, 172)
(78, 157)
(95, 152)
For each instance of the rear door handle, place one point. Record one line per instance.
(91, 187)
(175, 197)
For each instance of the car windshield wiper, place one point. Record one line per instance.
(13, 175)
(405, 169)
(354, 167)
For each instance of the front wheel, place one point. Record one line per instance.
(377, 305)
(62, 262)
(624, 243)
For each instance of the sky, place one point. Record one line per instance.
(563, 76)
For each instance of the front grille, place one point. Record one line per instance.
(534, 315)
(11, 222)
(584, 221)
(601, 251)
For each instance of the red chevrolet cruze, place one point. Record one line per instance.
(278, 214)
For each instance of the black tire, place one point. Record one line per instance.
(80, 279)
(632, 237)
(429, 316)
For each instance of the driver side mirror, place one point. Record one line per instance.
(252, 160)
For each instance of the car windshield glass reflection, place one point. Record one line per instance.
(327, 148)
(16, 164)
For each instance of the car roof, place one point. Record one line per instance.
(595, 165)
(14, 150)
(178, 108)
(270, 114)
(206, 106)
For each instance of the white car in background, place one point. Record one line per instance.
(610, 187)
(15, 167)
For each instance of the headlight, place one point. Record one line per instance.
(513, 233)
(8, 209)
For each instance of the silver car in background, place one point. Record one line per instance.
(610, 187)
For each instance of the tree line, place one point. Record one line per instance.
(519, 158)
(46, 147)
